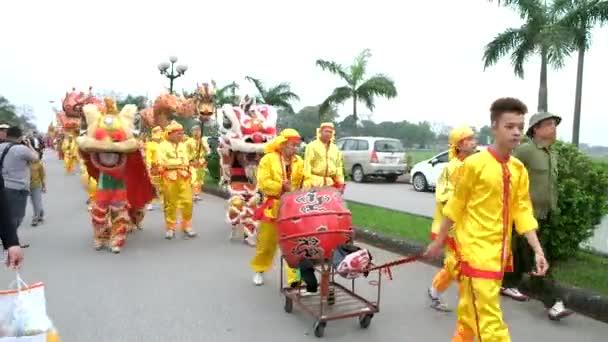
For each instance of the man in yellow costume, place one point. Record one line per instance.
(462, 144)
(323, 164)
(70, 153)
(177, 190)
(491, 194)
(198, 150)
(153, 163)
(280, 171)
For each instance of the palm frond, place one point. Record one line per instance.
(501, 46)
(520, 55)
(258, 85)
(334, 68)
(377, 85)
(525, 8)
(359, 66)
(338, 96)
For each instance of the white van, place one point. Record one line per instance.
(366, 157)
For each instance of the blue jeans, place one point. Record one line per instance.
(17, 200)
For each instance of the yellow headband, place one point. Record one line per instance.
(456, 136)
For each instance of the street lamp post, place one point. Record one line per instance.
(176, 71)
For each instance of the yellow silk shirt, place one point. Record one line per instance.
(152, 157)
(174, 160)
(489, 197)
(70, 149)
(443, 192)
(270, 176)
(197, 150)
(323, 165)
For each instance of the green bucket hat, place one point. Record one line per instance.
(538, 118)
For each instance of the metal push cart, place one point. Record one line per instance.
(333, 301)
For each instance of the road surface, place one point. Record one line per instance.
(398, 196)
(201, 290)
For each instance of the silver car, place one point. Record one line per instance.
(366, 157)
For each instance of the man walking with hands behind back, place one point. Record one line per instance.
(541, 161)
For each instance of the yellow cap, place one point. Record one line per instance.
(288, 134)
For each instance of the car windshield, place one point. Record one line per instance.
(388, 146)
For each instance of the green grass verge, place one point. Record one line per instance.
(418, 156)
(585, 270)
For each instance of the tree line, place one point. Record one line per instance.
(22, 116)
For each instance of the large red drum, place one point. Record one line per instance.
(312, 223)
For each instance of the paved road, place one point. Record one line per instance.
(398, 196)
(200, 290)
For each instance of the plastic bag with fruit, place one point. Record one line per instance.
(23, 314)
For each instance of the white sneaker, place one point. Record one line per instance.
(258, 279)
(558, 311)
(190, 233)
(169, 234)
(514, 294)
(150, 207)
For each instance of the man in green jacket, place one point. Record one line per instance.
(541, 162)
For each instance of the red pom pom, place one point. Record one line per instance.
(119, 135)
(100, 134)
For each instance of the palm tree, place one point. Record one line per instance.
(581, 16)
(357, 87)
(225, 94)
(279, 96)
(541, 34)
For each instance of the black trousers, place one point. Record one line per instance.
(524, 262)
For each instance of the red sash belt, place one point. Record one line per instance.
(259, 214)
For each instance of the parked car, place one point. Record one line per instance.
(366, 157)
(426, 173)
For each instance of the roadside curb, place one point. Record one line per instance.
(583, 301)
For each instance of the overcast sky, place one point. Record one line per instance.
(432, 49)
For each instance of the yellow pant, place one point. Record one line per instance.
(69, 163)
(479, 314)
(91, 188)
(157, 183)
(198, 179)
(448, 274)
(177, 194)
(265, 249)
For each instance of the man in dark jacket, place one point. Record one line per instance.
(8, 232)
(541, 161)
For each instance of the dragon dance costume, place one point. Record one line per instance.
(69, 150)
(112, 157)
(323, 163)
(176, 181)
(153, 161)
(491, 196)
(198, 150)
(272, 172)
(443, 192)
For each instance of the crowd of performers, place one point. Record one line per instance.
(480, 198)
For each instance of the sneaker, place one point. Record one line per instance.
(190, 233)
(258, 279)
(169, 234)
(558, 311)
(514, 294)
(437, 302)
(150, 207)
(34, 222)
(115, 249)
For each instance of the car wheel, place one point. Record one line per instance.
(419, 182)
(358, 175)
(391, 178)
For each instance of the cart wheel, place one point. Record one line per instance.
(365, 321)
(320, 328)
(288, 305)
(331, 297)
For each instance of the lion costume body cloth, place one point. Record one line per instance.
(112, 157)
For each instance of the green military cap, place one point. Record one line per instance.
(538, 118)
